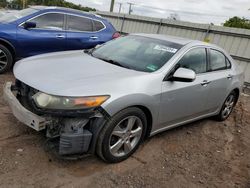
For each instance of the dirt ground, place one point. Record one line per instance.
(202, 154)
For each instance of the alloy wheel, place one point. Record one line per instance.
(228, 107)
(3, 60)
(125, 136)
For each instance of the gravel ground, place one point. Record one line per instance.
(202, 154)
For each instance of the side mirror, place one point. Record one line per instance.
(183, 75)
(29, 25)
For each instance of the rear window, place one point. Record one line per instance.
(218, 61)
(76, 23)
(98, 25)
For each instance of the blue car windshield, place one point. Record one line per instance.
(13, 16)
(137, 52)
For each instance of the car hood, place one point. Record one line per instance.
(7, 28)
(73, 73)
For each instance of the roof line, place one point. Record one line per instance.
(41, 7)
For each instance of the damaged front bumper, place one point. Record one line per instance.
(22, 114)
(77, 135)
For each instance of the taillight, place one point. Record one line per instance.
(116, 35)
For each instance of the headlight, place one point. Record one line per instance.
(46, 101)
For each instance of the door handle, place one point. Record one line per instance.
(229, 77)
(205, 83)
(93, 37)
(60, 36)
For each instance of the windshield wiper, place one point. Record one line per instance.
(114, 63)
(89, 51)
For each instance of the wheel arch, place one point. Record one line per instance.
(147, 103)
(149, 118)
(9, 46)
(237, 91)
(146, 111)
(98, 124)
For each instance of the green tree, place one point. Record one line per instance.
(238, 23)
(3, 3)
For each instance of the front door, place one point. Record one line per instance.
(47, 36)
(182, 101)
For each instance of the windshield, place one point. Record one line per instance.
(137, 52)
(10, 17)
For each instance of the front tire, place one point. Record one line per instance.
(6, 59)
(122, 135)
(227, 107)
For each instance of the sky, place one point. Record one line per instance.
(199, 11)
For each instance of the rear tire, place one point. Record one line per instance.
(227, 106)
(122, 135)
(6, 59)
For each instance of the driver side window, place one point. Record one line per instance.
(195, 59)
(50, 21)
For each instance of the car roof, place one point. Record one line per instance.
(174, 39)
(63, 9)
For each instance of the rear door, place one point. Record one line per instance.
(48, 36)
(81, 33)
(220, 78)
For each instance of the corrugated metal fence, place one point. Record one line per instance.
(235, 41)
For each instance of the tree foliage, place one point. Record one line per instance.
(60, 3)
(238, 23)
(3, 3)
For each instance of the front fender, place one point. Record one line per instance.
(8, 36)
(150, 102)
(7, 42)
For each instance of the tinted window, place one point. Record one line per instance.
(217, 60)
(98, 25)
(137, 52)
(195, 59)
(76, 23)
(53, 21)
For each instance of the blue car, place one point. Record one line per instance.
(40, 29)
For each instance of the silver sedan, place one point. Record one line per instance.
(109, 99)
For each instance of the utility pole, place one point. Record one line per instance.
(112, 5)
(130, 8)
(120, 7)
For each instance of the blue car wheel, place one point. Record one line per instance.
(6, 59)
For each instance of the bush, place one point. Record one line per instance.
(238, 23)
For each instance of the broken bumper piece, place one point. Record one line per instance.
(68, 135)
(22, 114)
